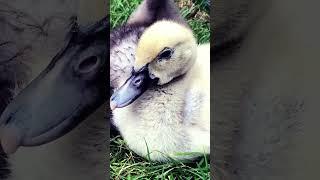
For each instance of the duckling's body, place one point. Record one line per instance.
(173, 117)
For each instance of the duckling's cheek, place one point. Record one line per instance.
(164, 80)
(156, 73)
(153, 72)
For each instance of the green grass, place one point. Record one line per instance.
(120, 10)
(125, 164)
(196, 14)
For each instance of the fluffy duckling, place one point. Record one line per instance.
(163, 109)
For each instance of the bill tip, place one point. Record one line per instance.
(113, 105)
(10, 139)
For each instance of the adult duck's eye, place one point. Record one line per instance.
(166, 53)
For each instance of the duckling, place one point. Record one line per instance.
(163, 109)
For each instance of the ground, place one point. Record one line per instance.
(125, 164)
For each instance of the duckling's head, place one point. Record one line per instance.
(168, 49)
(165, 51)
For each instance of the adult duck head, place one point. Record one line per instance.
(70, 88)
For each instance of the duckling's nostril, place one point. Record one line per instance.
(137, 81)
(152, 76)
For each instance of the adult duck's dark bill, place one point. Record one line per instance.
(46, 110)
(133, 88)
(41, 114)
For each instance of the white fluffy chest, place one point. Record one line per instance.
(157, 120)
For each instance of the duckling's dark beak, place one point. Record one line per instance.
(133, 88)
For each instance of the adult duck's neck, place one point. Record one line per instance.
(89, 11)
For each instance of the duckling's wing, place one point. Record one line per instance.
(197, 109)
(196, 121)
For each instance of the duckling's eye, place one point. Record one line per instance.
(166, 53)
